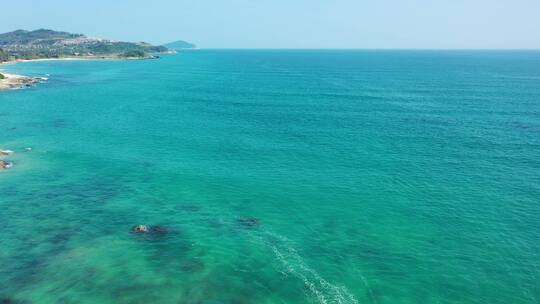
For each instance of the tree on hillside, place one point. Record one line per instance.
(134, 53)
(3, 56)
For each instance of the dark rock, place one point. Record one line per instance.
(5, 164)
(249, 222)
(154, 231)
(159, 230)
(140, 229)
(62, 237)
(6, 152)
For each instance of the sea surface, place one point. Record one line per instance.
(274, 176)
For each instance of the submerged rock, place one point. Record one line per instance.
(5, 164)
(248, 222)
(192, 266)
(150, 230)
(59, 123)
(6, 152)
(189, 208)
(140, 229)
(158, 230)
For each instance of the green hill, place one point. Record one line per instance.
(22, 37)
(44, 43)
(180, 45)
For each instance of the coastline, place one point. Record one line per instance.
(15, 81)
(86, 57)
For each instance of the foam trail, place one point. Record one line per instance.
(324, 291)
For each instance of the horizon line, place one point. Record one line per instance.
(359, 49)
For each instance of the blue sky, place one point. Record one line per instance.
(290, 23)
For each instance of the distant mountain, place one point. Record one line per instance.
(44, 43)
(26, 37)
(180, 45)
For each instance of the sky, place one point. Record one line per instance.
(418, 24)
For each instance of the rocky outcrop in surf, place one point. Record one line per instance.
(5, 152)
(11, 81)
(153, 231)
(4, 164)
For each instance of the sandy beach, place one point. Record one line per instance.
(96, 57)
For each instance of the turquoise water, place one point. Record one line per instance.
(281, 176)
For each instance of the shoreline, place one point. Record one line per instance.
(75, 58)
(15, 81)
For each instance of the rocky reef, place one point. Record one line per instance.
(4, 164)
(11, 81)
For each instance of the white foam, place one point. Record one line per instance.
(324, 291)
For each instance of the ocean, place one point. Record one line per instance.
(274, 176)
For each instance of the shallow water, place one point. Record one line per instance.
(282, 177)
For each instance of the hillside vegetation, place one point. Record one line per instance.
(45, 43)
(3, 56)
